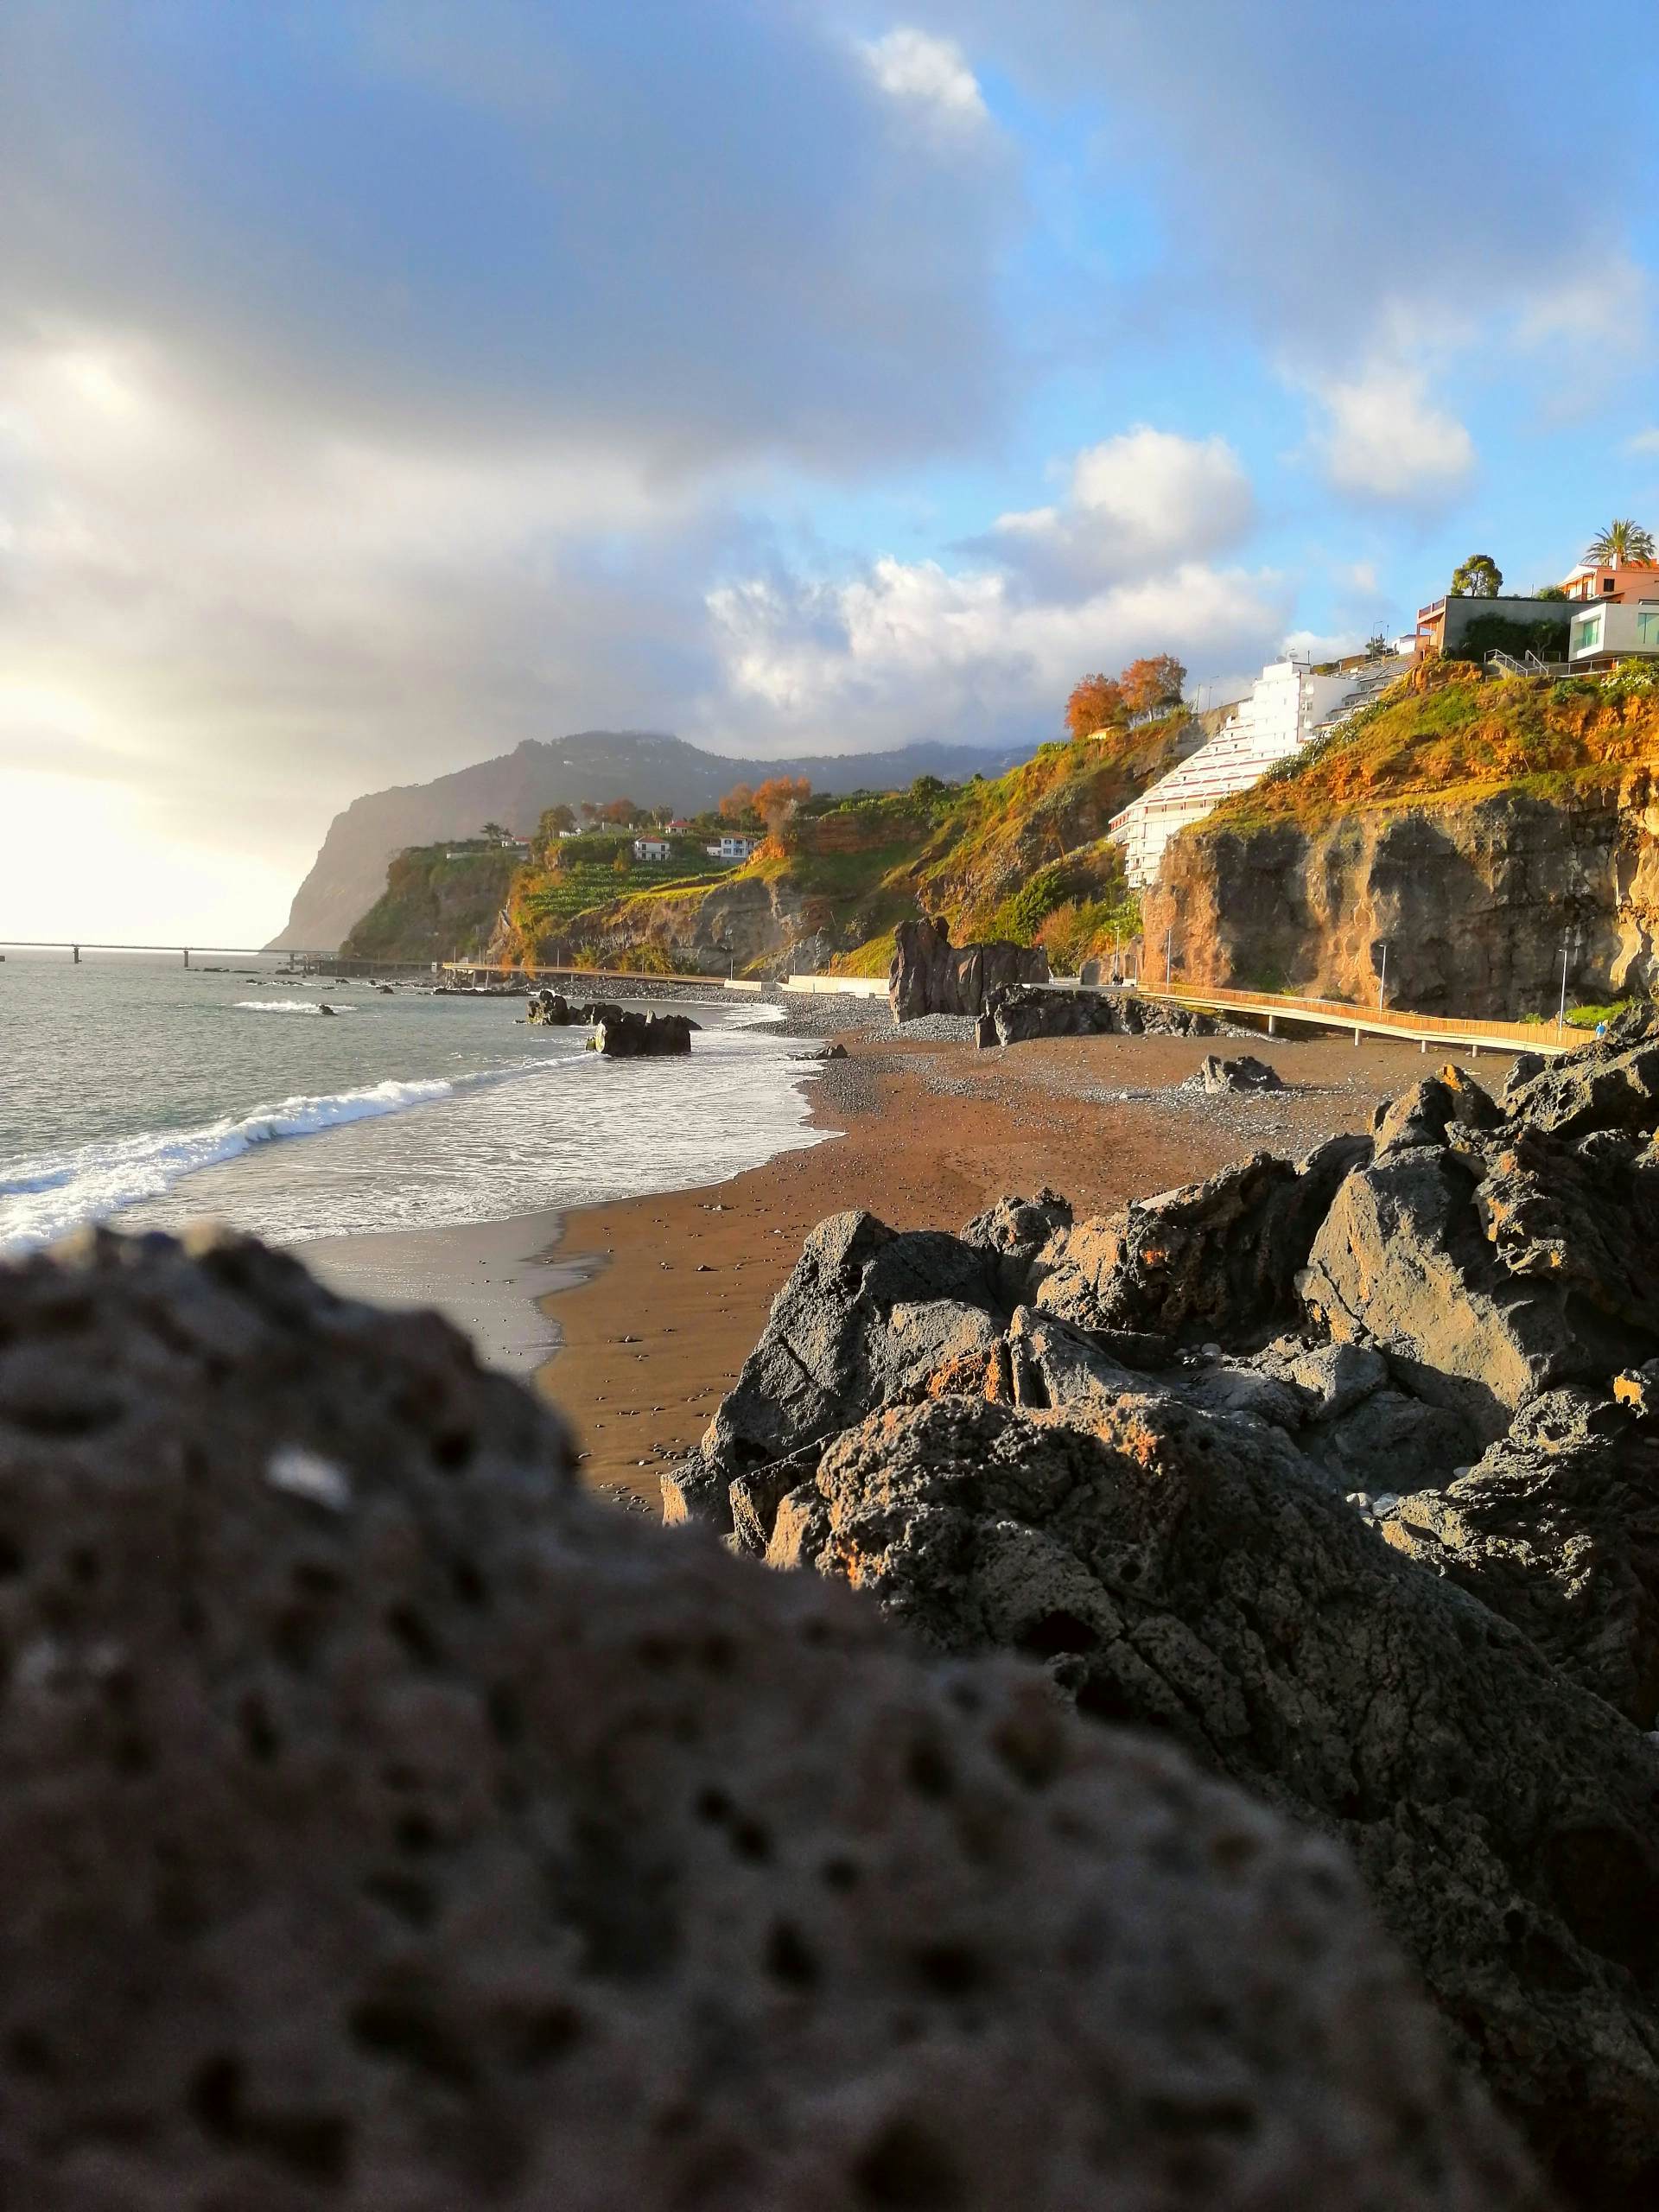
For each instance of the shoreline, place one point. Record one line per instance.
(634, 1315)
(663, 1296)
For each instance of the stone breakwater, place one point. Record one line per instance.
(387, 1824)
(1340, 1474)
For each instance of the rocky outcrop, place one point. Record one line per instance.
(864, 1313)
(1014, 1012)
(1290, 1550)
(1177, 1570)
(384, 1824)
(1493, 1263)
(1219, 1077)
(1469, 898)
(624, 1035)
(549, 1007)
(1556, 1528)
(1214, 1259)
(929, 974)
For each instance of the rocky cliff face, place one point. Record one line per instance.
(752, 922)
(350, 871)
(1476, 899)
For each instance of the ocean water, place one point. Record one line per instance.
(134, 1089)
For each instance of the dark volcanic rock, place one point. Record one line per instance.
(866, 1313)
(1491, 1265)
(1557, 1529)
(1246, 1072)
(549, 1007)
(1016, 1013)
(628, 1036)
(929, 974)
(1180, 1571)
(1215, 1259)
(386, 1826)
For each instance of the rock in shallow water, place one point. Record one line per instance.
(411, 1832)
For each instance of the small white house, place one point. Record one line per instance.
(1614, 631)
(652, 849)
(734, 849)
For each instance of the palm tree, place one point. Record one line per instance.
(1619, 543)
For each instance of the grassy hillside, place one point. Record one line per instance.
(1450, 733)
(433, 906)
(585, 875)
(1021, 856)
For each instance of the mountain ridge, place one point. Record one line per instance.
(651, 767)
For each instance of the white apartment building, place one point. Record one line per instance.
(652, 849)
(734, 849)
(1286, 706)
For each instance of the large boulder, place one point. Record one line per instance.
(629, 1036)
(1218, 1259)
(385, 1825)
(929, 974)
(1557, 1529)
(1181, 1571)
(1243, 1073)
(1016, 1013)
(1493, 1263)
(866, 1313)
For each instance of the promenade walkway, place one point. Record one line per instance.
(1472, 1036)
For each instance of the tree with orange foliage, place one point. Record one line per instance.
(621, 811)
(738, 803)
(1096, 703)
(1150, 685)
(778, 797)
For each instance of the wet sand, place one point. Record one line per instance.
(662, 1297)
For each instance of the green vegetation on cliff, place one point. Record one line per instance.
(1022, 855)
(433, 905)
(1449, 734)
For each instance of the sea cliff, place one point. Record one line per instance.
(1479, 830)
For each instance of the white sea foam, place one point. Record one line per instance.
(291, 1006)
(102, 1178)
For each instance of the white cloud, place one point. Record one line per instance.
(1644, 442)
(930, 73)
(1384, 438)
(1135, 501)
(1607, 304)
(918, 649)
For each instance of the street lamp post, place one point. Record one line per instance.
(1382, 980)
(1169, 955)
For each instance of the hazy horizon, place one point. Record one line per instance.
(384, 383)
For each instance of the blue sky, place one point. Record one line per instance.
(385, 381)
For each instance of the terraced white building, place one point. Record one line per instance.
(1286, 708)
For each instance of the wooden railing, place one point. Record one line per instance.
(1551, 1038)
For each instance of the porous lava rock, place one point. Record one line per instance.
(387, 1828)
(1180, 1571)
(929, 974)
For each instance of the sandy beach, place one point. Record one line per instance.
(660, 1298)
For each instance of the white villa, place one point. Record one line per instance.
(1287, 706)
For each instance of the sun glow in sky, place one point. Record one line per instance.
(383, 383)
